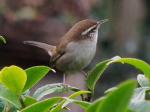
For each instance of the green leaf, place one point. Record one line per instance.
(2, 105)
(42, 106)
(119, 99)
(60, 106)
(71, 99)
(14, 78)
(138, 102)
(82, 104)
(110, 90)
(9, 96)
(76, 94)
(139, 64)
(8, 107)
(96, 73)
(139, 94)
(2, 40)
(143, 81)
(129, 111)
(53, 88)
(0, 78)
(29, 101)
(34, 75)
(95, 105)
(142, 106)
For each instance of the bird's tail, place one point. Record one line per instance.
(48, 48)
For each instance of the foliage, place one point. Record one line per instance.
(95, 74)
(15, 83)
(13, 78)
(2, 40)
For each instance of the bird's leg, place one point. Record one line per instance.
(64, 78)
(64, 82)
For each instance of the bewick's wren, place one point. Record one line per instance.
(77, 47)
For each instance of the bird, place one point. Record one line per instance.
(76, 48)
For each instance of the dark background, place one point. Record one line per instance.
(127, 34)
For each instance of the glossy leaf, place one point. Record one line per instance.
(71, 99)
(53, 88)
(139, 64)
(34, 75)
(143, 81)
(77, 94)
(29, 101)
(110, 90)
(42, 106)
(95, 105)
(82, 104)
(9, 96)
(139, 94)
(96, 73)
(60, 106)
(119, 99)
(143, 106)
(14, 78)
(138, 102)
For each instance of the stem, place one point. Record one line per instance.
(21, 101)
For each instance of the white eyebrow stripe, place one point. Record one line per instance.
(87, 30)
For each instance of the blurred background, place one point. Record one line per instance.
(127, 34)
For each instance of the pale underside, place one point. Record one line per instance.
(77, 55)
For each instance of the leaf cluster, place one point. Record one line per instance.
(16, 83)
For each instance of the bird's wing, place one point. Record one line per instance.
(56, 57)
(48, 48)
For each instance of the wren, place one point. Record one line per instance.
(77, 47)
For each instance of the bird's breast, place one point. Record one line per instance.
(84, 49)
(78, 55)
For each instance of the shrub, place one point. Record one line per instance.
(15, 84)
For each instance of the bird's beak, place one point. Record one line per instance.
(101, 22)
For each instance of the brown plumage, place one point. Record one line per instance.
(74, 34)
(76, 48)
